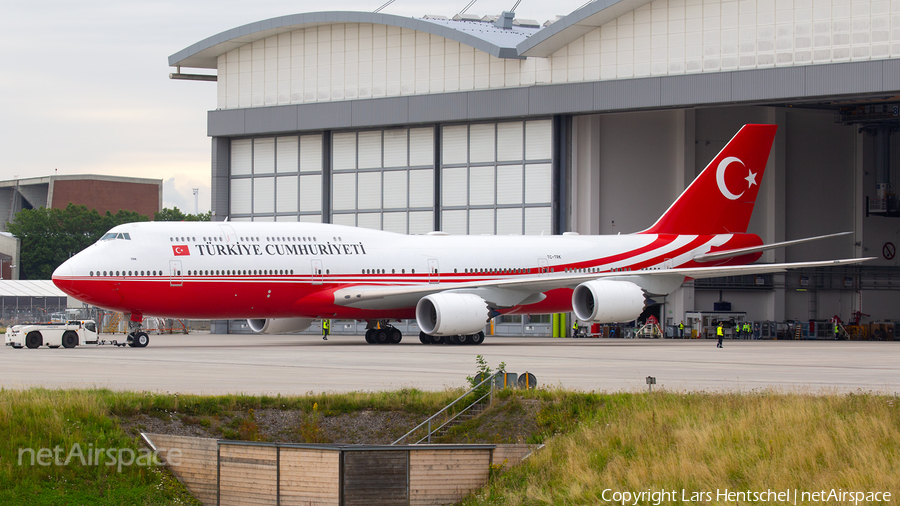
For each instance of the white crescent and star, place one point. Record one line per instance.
(720, 178)
(179, 249)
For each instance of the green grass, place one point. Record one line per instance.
(594, 441)
(703, 442)
(40, 418)
(49, 418)
(409, 400)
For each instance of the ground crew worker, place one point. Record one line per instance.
(746, 330)
(837, 330)
(575, 329)
(720, 331)
(326, 329)
(681, 329)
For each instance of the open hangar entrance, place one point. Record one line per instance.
(829, 171)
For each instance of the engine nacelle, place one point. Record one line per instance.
(279, 325)
(607, 301)
(451, 314)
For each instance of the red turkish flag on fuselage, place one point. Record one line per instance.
(181, 250)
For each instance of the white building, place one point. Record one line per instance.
(594, 123)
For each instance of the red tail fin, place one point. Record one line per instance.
(720, 200)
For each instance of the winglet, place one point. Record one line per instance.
(721, 199)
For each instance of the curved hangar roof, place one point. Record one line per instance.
(482, 36)
(517, 42)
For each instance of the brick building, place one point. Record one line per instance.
(103, 193)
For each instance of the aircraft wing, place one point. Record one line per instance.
(529, 289)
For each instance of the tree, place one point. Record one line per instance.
(50, 236)
(176, 214)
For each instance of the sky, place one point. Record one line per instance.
(84, 86)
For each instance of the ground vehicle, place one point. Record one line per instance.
(68, 335)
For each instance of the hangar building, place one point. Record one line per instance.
(593, 123)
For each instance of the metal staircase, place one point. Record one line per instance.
(442, 421)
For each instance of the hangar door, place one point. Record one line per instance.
(496, 178)
(384, 179)
(276, 179)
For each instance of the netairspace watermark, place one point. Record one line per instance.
(90, 456)
(786, 496)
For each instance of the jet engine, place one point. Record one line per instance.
(279, 325)
(451, 314)
(606, 301)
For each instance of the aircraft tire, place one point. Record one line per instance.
(381, 336)
(477, 338)
(437, 340)
(370, 336)
(396, 336)
(451, 339)
(69, 339)
(462, 339)
(141, 340)
(34, 340)
(425, 338)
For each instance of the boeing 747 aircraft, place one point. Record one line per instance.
(282, 276)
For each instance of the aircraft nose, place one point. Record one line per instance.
(62, 276)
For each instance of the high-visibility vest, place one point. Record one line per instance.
(680, 326)
(720, 331)
(326, 324)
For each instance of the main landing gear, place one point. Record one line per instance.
(137, 338)
(383, 333)
(477, 338)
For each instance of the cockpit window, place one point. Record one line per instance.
(114, 235)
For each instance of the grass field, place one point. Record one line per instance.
(40, 418)
(704, 442)
(696, 442)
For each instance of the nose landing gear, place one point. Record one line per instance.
(137, 338)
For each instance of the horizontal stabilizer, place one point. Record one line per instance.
(719, 255)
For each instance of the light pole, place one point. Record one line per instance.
(196, 201)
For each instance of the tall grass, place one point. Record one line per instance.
(705, 442)
(409, 400)
(40, 418)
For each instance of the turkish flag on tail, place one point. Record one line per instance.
(181, 250)
(720, 200)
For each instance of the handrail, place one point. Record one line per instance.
(448, 406)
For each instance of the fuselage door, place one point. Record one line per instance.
(317, 272)
(230, 237)
(175, 276)
(434, 272)
(543, 270)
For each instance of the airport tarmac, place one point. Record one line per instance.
(258, 364)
